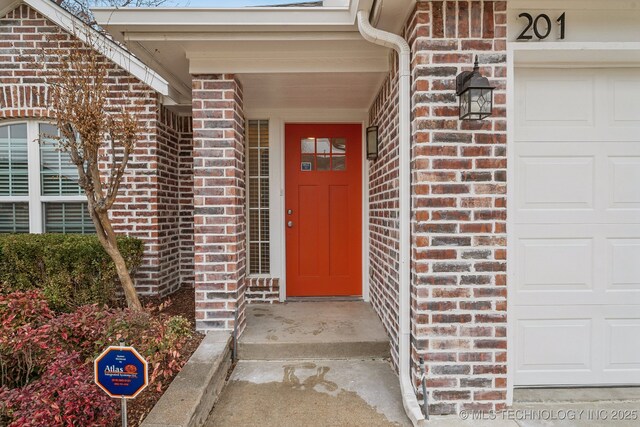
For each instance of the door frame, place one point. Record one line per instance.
(277, 120)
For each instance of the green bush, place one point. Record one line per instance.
(70, 269)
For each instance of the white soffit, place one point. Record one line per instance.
(349, 91)
(293, 56)
(115, 53)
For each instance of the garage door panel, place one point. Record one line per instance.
(575, 227)
(624, 89)
(622, 336)
(623, 265)
(624, 185)
(554, 346)
(555, 182)
(555, 264)
(564, 102)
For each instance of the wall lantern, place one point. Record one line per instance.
(372, 142)
(476, 94)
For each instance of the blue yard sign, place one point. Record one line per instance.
(121, 372)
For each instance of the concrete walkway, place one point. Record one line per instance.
(310, 393)
(311, 364)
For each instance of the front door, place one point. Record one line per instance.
(323, 209)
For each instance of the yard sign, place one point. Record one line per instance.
(121, 372)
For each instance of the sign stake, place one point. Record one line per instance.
(124, 411)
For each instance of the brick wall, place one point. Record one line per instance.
(219, 189)
(384, 256)
(185, 168)
(148, 196)
(459, 207)
(261, 290)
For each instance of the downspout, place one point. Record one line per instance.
(400, 45)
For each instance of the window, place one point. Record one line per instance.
(258, 196)
(39, 189)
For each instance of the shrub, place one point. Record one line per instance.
(65, 395)
(70, 269)
(46, 360)
(24, 340)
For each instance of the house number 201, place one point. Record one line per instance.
(541, 26)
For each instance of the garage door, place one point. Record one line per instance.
(575, 230)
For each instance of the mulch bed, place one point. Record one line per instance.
(180, 303)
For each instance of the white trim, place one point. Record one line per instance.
(510, 211)
(277, 121)
(366, 250)
(251, 36)
(107, 47)
(36, 216)
(519, 55)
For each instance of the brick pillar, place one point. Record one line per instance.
(459, 201)
(219, 201)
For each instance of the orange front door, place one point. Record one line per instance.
(323, 209)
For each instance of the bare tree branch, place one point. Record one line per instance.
(94, 126)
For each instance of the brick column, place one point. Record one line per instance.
(219, 201)
(459, 202)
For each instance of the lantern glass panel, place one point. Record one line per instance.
(372, 143)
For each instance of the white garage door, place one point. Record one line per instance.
(576, 226)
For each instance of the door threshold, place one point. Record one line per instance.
(323, 299)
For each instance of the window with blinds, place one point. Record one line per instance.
(258, 196)
(67, 218)
(52, 202)
(14, 170)
(14, 217)
(58, 175)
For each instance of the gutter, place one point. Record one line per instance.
(400, 45)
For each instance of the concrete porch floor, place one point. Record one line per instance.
(312, 330)
(311, 364)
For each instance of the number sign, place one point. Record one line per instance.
(541, 26)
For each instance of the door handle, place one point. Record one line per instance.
(290, 224)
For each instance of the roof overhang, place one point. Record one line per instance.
(179, 42)
(104, 45)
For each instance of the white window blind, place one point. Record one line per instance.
(58, 175)
(39, 189)
(67, 218)
(14, 174)
(14, 217)
(258, 196)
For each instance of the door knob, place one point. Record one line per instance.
(289, 224)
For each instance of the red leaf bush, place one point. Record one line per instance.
(65, 395)
(46, 360)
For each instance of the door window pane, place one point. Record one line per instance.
(67, 218)
(308, 145)
(14, 179)
(324, 162)
(14, 217)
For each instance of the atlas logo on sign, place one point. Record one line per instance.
(121, 372)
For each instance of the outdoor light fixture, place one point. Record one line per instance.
(372, 142)
(476, 94)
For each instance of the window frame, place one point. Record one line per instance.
(35, 199)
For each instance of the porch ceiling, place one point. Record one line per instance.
(354, 91)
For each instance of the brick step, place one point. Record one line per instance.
(313, 330)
